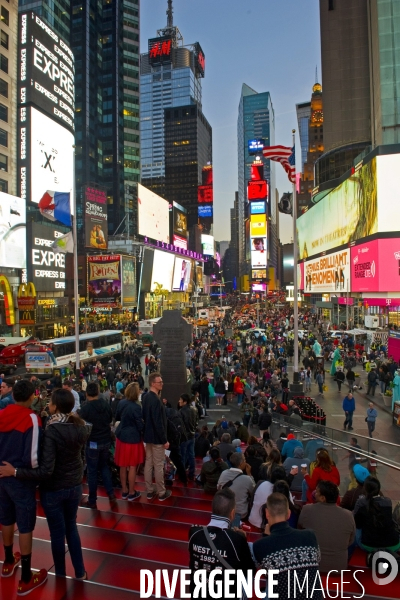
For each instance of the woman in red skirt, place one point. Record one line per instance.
(129, 451)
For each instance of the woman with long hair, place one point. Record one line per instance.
(129, 449)
(273, 460)
(374, 521)
(325, 469)
(60, 472)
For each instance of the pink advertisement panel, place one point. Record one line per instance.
(375, 266)
(300, 276)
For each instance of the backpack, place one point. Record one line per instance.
(254, 418)
(173, 435)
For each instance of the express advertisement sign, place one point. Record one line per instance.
(104, 281)
(375, 266)
(46, 267)
(46, 70)
(329, 273)
(96, 231)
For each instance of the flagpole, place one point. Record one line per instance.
(75, 260)
(295, 283)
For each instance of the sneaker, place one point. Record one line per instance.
(88, 504)
(124, 495)
(151, 496)
(134, 496)
(350, 428)
(167, 494)
(112, 497)
(36, 581)
(9, 568)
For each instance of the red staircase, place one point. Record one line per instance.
(121, 538)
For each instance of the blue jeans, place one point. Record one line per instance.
(240, 399)
(348, 419)
(246, 420)
(187, 453)
(61, 508)
(98, 459)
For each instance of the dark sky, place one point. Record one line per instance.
(272, 45)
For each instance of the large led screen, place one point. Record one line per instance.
(207, 242)
(348, 213)
(52, 156)
(182, 271)
(375, 266)
(96, 227)
(257, 208)
(46, 267)
(258, 225)
(163, 268)
(329, 273)
(12, 232)
(153, 215)
(258, 258)
(205, 211)
(128, 269)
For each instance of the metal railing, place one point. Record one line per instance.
(384, 465)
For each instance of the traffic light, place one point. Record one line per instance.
(285, 204)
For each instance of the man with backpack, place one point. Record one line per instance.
(190, 420)
(238, 478)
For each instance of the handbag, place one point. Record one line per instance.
(215, 551)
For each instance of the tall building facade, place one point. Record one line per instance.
(303, 112)
(176, 138)
(360, 77)
(8, 95)
(55, 12)
(256, 120)
(346, 84)
(315, 138)
(105, 40)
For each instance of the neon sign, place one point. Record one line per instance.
(160, 49)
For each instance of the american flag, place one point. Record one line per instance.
(284, 155)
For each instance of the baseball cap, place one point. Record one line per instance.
(360, 473)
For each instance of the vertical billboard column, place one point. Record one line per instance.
(46, 110)
(257, 195)
(205, 197)
(96, 230)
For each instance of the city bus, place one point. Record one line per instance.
(91, 346)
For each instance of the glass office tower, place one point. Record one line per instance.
(176, 138)
(256, 120)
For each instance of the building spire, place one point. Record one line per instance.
(170, 15)
(316, 74)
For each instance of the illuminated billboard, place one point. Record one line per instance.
(258, 243)
(257, 190)
(95, 211)
(128, 271)
(257, 172)
(51, 156)
(364, 204)
(258, 259)
(207, 242)
(182, 271)
(328, 273)
(258, 225)
(259, 287)
(259, 274)
(45, 266)
(12, 232)
(205, 211)
(160, 50)
(375, 266)
(255, 146)
(46, 70)
(205, 194)
(179, 217)
(257, 208)
(200, 59)
(207, 175)
(163, 268)
(153, 215)
(104, 281)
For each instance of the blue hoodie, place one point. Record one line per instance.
(6, 400)
(349, 405)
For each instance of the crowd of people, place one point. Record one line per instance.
(114, 421)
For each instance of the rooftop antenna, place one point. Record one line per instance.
(170, 15)
(316, 70)
(171, 29)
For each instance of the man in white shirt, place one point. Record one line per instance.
(68, 385)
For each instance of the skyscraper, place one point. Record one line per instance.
(105, 40)
(315, 146)
(303, 111)
(256, 120)
(176, 138)
(360, 75)
(55, 12)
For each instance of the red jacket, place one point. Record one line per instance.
(318, 475)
